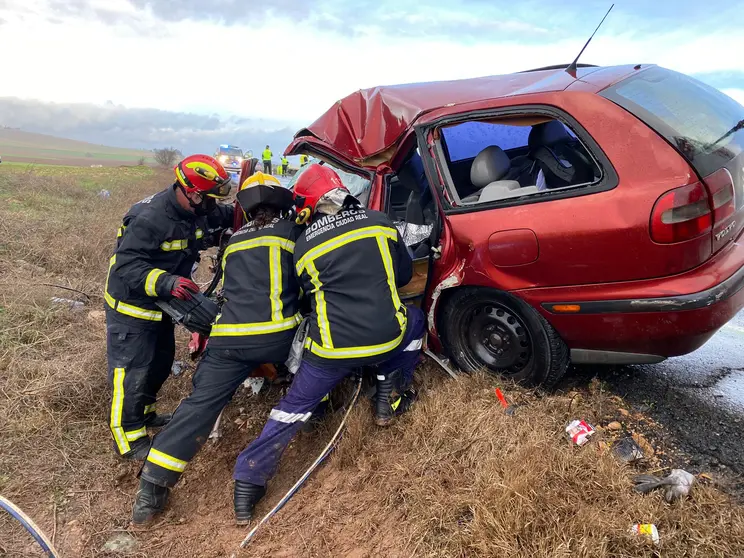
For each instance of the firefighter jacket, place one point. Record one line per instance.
(158, 239)
(261, 292)
(351, 265)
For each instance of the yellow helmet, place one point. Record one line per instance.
(260, 179)
(263, 189)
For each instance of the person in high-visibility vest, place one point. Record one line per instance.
(304, 160)
(267, 155)
(285, 166)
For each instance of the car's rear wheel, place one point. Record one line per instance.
(495, 331)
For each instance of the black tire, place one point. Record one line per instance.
(484, 329)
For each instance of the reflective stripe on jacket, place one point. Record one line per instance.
(261, 291)
(158, 239)
(351, 265)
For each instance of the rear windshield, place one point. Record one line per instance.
(700, 121)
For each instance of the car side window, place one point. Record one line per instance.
(489, 160)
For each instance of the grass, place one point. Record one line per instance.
(21, 146)
(456, 477)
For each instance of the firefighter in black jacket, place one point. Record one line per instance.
(351, 262)
(256, 325)
(157, 247)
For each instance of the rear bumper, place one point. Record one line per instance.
(651, 318)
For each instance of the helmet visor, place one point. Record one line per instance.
(222, 186)
(221, 190)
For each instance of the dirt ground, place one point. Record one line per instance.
(456, 477)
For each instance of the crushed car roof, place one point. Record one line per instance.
(371, 121)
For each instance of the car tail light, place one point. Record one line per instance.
(681, 214)
(723, 197)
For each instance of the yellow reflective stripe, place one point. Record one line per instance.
(128, 309)
(327, 397)
(354, 352)
(136, 434)
(387, 261)
(134, 311)
(120, 232)
(106, 294)
(275, 275)
(259, 328)
(166, 461)
(320, 306)
(343, 239)
(174, 245)
(151, 281)
(150, 408)
(117, 406)
(278, 241)
(199, 234)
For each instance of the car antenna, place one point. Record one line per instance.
(571, 70)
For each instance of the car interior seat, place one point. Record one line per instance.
(558, 155)
(487, 174)
(414, 207)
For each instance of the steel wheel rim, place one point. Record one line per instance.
(498, 338)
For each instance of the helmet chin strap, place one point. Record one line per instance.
(199, 208)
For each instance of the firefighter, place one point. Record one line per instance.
(285, 166)
(267, 155)
(350, 261)
(256, 325)
(158, 244)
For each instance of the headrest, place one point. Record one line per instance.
(490, 165)
(548, 134)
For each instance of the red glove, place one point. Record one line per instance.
(180, 287)
(197, 345)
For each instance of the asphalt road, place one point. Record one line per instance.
(699, 398)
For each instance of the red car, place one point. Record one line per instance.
(594, 215)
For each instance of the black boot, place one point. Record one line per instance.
(149, 501)
(138, 449)
(319, 413)
(154, 420)
(245, 498)
(389, 403)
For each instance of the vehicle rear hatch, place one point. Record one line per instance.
(707, 128)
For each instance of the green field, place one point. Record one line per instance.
(17, 146)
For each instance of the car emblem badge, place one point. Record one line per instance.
(726, 231)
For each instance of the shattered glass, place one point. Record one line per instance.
(413, 234)
(358, 186)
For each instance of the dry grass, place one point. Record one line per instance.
(461, 478)
(457, 477)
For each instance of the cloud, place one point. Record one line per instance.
(736, 94)
(120, 126)
(229, 11)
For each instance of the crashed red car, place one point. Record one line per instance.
(594, 215)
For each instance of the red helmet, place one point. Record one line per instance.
(313, 184)
(204, 175)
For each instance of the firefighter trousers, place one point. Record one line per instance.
(258, 462)
(218, 376)
(140, 356)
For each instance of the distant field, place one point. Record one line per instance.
(17, 146)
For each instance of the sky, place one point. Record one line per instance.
(197, 73)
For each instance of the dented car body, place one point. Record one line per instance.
(597, 213)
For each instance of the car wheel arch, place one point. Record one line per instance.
(551, 353)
